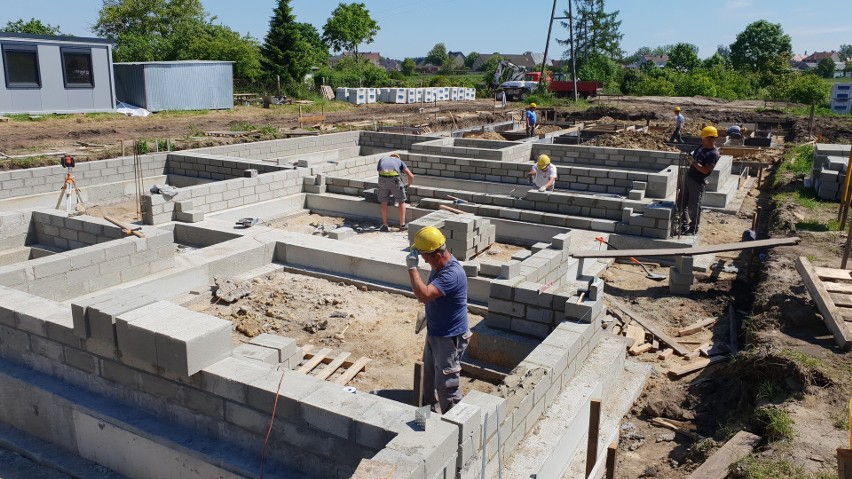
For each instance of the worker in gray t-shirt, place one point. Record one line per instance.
(390, 169)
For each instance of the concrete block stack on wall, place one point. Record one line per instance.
(466, 235)
(404, 95)
(829, 172)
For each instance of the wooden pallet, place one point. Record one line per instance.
(831, 290)
(331, 364)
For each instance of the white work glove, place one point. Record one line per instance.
(542, 188)
(413, 259)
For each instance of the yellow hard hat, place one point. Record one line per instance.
(532, 105)
(543, 162)
(677, 108)
(709, 131)
(396, 155)
(429, 239)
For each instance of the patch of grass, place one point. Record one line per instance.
(832, 225)
(806, 198)
(841, 421)
(269, 130)
(760, 467)
(725, 432)
(798, 160)
(776, 423)
(170, 114)
(804, 359)
(193, 130)
(765, 390)
(28, 162)
(242, 126)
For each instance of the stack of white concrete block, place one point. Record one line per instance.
(361, 96)
(841, 98)
(467, 235)
(829, 172)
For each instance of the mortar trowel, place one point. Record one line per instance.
(421, 322)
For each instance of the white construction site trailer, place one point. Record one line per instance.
(180, 85)
(50, 74)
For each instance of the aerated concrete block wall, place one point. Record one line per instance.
(466, 236)
(606, 157)
(91, 268)
(829, 171)
(201, 165)
(50, 179)
(503, 151)
(58, 231)
(16, 229)
(268, 150)
(390, 141)
(184, 376)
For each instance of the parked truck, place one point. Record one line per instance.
(522, 83)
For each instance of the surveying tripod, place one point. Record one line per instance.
(68, 186)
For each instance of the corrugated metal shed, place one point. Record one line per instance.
(181, 85)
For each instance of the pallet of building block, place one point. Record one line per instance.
(330, 364)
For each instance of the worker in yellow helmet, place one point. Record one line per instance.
(704, 159)
(447, 331)
(390, 169)
(543, 174)
(531, 119)
(679, 122)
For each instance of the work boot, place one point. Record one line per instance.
(383, 228)
(403, 227)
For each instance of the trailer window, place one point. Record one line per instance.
(77, 68)
(20, 64)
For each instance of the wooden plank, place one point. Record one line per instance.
(331, 367)
(662, 422)
(719, 248)
(844, 463)
(716, 466)
(650, 327)
(692, 367)
(360, 364)
(832, 274)
(841, 300)
(838, 287)
(640, 349)
(692, 329)
(314, 360)
(830, 314)
(594, 435)
(611, 459)
(417, 396)
(126, 228)
(664, 354)
(325, 360)
(685, 425)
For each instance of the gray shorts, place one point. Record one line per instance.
(390, 186)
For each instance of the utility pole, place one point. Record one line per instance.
(570, 19)
(543, 80)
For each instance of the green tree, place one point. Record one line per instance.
(762, 47)
(825, 68)
(717, 60)
(217, 42)
(684, 57)
(349, 26)
(438, 55)
(291, 48)
(33, 27)
(470, 59)
(600, 68)
(846, 50)
(408, 67)
(490, 67)
(595, 32)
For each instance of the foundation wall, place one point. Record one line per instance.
(268, 150)
(16, 229)
(213, 167)
(91, 268)
(471, 148)
(49, 179)
(604, 157)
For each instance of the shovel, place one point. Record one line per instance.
(648, 274)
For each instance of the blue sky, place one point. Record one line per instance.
(413, 27)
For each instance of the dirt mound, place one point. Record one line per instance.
(488, 135)
(632, 139)
(547, 129)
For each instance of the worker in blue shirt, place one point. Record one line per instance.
(679, 122)
(531, 120)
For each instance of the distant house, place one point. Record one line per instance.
(658, 61)
(528, 60)
(373, 57)
(816, 57)
(390, 65)
(427, 68)
(458, 59)
(51, 74)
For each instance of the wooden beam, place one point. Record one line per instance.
(719, 248)
(417, 396)
(331, 367)
(352, 371)
(314, 361)
(692, 367)
(694, 328)
(611, 459)
(126, 228)
(650, 327)
(664, 354)
(832, 274)
(640, 349)
(830, 313)
(662, 422)
(717, 465)
(594, 435)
